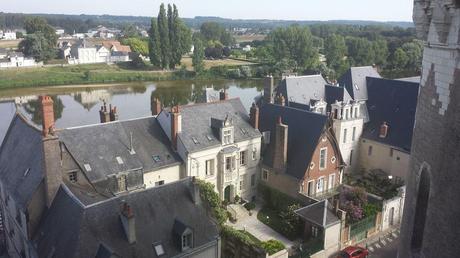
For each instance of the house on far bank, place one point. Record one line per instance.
(87, 52)
(8, 35)
(300, 152)
(17, 59)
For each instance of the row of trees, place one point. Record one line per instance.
(169, 38)
(297, 48)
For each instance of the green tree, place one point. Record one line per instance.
(37, 46)
(173, 31)
(130, 31)
(137, 45)
(163, 32)
(212, 31)
(414, 52)
(41, 39)
(400, 59)
(295, 44)
(198, 55)
(154, 44)
(380, 49)
(335, 51)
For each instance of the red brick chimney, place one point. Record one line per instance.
(281, 146)
(223, 95)
(254, 116)
(128, 222)
(384, 130)
(269, 87)
(47, 115)
(156, 107)
(176, 125)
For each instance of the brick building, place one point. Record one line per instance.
(301, 154)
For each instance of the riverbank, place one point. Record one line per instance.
(77, 75)
(108, 74)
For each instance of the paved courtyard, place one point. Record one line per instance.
(252, 225)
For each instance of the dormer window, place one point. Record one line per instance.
(187, 241)
(227, 136)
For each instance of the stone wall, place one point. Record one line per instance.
(430, 225)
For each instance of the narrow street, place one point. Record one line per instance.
(386, 247)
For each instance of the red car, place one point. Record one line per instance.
(353, 252)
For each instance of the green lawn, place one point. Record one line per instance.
(78, 74)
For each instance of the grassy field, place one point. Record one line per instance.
(249, 38)
(214, 63)
(80, 74)
(9, 43)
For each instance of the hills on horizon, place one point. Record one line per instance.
(196, 22)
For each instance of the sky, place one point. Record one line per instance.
(377, 10)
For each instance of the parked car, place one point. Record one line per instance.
(353, 252)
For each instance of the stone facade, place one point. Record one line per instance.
(430, 225)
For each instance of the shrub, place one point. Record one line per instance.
(370, 210)
(208, 195)
(250, 206)
(272, 246)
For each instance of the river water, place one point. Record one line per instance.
(77, 106)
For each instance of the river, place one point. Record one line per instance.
(77, 106)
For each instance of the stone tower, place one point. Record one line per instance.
(431, 223)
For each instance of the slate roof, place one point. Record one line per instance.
(303, 89)
(304, 131)
(99, 146)
(196, 124)
(415, 79)
(21, 161)
(394, 102)
(354, 80)
(319, 213)
(73, 230)
(336, 93)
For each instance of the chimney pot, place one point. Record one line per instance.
(176, 125)
(156, 106)
(384, 130)
(47, 114)
(223, 95)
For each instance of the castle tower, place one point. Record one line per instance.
(430, 226)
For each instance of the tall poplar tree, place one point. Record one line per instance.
(163, 31)
(198, 55)
(154, 44)
(176, 36)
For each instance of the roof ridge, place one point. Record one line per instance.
(108, 123)
(210, 103)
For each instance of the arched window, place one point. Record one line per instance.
(421, 208)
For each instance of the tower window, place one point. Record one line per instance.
(421, 208)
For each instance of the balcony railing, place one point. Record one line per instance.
(326, 194)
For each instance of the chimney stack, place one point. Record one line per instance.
(128, 222)
(195, 191)
(280, 100)
(269, 87)
(176, 125)
(384, 130)
(47, 115)
(254, 116)
(113, 114)
(104, 114)
(281, 145)
(223, 95)
(156, 107)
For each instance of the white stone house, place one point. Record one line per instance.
(9, 35)
(16, 59)
(217, 144)
(85, 53)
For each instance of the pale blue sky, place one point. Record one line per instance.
(379, 10)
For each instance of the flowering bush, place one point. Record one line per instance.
(352, 202)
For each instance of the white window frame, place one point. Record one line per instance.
(331, 181)
(243, 158)
(209, 167)
(122, 183)
(227, 136)
(320, 180)
(313, 188)
(264, 174)
(325, 158)
(353, 136)
(345, 131)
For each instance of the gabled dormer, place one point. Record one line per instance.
(224, 129)
(183, 235)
